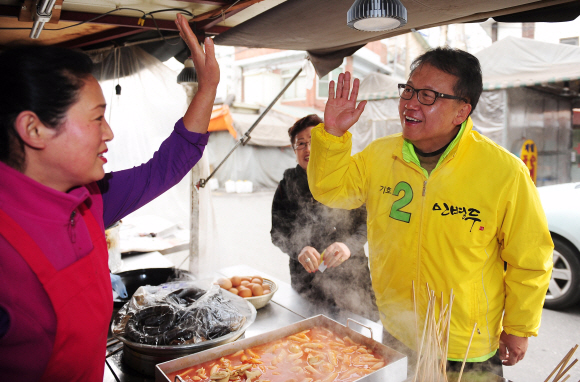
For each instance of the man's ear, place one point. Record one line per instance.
(462, 114)
(31, 130)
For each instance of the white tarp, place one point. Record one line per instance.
(272, 130)
(514, 62)
(381, 116)
(141, 117)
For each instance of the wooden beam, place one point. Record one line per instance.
(206, 24)
(218, 3)
(126, 21)
(99, 37)
(226, 9)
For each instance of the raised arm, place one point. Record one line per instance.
(335, 178)
(341, 112)
(198, 113)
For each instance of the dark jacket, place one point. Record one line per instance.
(299, 221)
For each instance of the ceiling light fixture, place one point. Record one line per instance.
(188, 74)
(376, 15)
(42, 15)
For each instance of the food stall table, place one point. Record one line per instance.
(285, 308)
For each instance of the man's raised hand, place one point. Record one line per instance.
(341, 111)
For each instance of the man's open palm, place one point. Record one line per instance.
(341, 111)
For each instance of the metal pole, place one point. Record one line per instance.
(194, 256)
(246, 137)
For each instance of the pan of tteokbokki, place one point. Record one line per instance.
(315, 349)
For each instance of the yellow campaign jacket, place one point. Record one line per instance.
(452, 229)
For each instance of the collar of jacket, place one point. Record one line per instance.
(25, 196)
(409, 155)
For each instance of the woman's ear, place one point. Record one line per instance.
(31, 130)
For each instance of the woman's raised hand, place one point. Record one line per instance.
(198, 114)
(206, 66)
(341, 111)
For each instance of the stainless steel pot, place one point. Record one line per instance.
(143, 357)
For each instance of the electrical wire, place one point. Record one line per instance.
(143, 16)
(84, 22)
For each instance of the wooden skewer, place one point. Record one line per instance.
(563, 364)
(557, 367)
(421, 346)
(467, 352)
(565, 379)
(560, 375)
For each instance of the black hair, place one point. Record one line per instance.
(301, 125)
(43, 79)
(460, 64)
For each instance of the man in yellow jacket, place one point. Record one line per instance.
(446, 207)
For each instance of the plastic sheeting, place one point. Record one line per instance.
(511, 116)
(489, 115)
(271, 131)
(263, 166)
(515, 62)
(177, 313)
(380, 117)
(141, 117)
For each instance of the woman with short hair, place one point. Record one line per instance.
(312, 234)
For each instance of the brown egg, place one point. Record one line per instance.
(257, 281)
(266, 291)
(257, 290)
(233, 290)
(245, 293)
(236, 281)
(224, 283)
(246, 278)
(250, 285)
(244, 282)
(258, 277)
(241, 287)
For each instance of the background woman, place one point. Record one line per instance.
(304, 228)
(55, 201)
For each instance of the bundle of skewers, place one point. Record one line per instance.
(434, 343)
(562, 368)
(432, 348)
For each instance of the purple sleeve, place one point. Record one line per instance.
(127, 190)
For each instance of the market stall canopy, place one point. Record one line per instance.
(515, 62)
(316, 26)
(319, 26)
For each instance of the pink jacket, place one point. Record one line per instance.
(27, 320)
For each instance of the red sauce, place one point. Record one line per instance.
(312, 355)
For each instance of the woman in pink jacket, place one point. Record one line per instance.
(55, 201)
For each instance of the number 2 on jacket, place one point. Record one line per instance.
(396, 212)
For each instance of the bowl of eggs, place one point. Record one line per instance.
(256, 289)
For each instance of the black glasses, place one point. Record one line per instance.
(424, 96)
(302, 145)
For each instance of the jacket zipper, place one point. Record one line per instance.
(420, 233)
(72, 231)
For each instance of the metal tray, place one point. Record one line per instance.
(394, 371)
